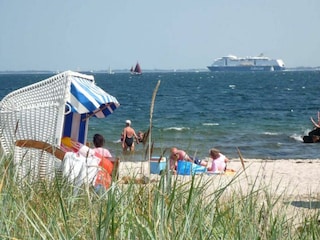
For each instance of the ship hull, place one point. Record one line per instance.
(245, 68)
(233, 63)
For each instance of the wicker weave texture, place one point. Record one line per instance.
(34, 165)
(35, 112)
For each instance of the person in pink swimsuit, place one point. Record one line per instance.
(219, 161)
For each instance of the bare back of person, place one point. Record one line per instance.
(129, 135)
(129, 131)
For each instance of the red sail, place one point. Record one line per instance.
(137, 69)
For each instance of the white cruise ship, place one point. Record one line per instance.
(233, 63)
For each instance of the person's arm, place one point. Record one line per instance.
(188, 158)
(121, 137)
(124, 137)
(135, 136)
(173, 160)
(314, 123)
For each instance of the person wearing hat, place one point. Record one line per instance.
(129, 134)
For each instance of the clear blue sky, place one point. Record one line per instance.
(166, 34)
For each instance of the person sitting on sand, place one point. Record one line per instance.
(180, 155)
(98, 142)
(219, 161)
(129, 135)
(106, 162)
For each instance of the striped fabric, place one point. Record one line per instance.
(76, 127)
(85, 100)
(86, 97)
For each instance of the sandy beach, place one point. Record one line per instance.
(294, 181)
(290, 177)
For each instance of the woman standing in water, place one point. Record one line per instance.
(129, 135)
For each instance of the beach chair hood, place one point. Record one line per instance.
(86, 97)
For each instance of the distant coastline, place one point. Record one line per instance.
(145, 70)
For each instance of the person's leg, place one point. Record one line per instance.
(125, 147)
(132, 147)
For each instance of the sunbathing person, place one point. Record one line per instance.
(219, 161)
(180, 155)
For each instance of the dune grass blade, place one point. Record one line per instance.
(150, 132)
(192, 209)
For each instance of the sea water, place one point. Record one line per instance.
(263, 114)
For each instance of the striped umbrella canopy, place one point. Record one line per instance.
(86, 97)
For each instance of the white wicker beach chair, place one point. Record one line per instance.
(47, 111)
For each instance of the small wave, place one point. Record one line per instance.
(271, 133)
(176, 128)
(297, 137)
(210, 124)
(306, 132)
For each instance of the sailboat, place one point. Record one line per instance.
(137, 70)
(110, 71)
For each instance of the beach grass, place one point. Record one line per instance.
(183, 209)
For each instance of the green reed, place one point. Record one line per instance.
(185, 210)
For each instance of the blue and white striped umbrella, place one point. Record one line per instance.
(86, 97)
